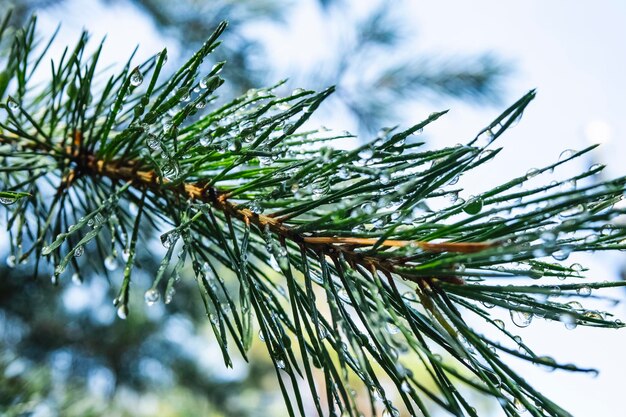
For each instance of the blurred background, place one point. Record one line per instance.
(64, 352)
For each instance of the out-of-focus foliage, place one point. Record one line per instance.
(372, 90)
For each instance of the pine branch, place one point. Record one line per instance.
(379, 231)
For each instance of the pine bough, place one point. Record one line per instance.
(379, 284)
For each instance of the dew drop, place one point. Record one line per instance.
(136, 78)
(584, 291)
(151, 296)
(521, 318)
(561, 254)
(79, 250)
(261, 337)
(153, 142)
(12, 104)
(110, 263)
(76, 279)
(122, 312)
(566, 154)
(255, 207)
(169, 294)
(168, 239)
(170, 170)
(405, 387)
(499, 324)
(474, 205)
(569, 320)
(519, 406)
(280, 364)
(11, 261)
(366, 153)
(7, 200)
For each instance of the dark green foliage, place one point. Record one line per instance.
(376, 262)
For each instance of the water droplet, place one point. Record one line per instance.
(521, 318)
(168, 239)
(255, 207)
(122, 311)
(11, 261)
(170, 170)
(499, 324)
(575, 305)
(153, 142)
(298, 91)
(569, 320)
(7, 200)
(12, 104)
(76, 279)
(151, 296)
(136, 78)
(384, 178)
(474, 205)
(280, 364)
(110, 263)
(405, 387)
(533, 172)
(261, 337)
(366, 153)
(562, 254)
(519, 405)
(169, 294)
(584, 291)
(78, 252)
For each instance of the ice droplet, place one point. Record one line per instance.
(151, 296)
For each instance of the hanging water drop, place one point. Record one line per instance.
(153, 142)
(521, 318)
(366, 153)
(151, 296)
(76, 279)
(12, 104)
(7, 200)
(170, 238)
(569, 320)
(170, 170)
(584, 291)
(78, 252)
(110, 263)
(280, 364)
(136, 78)
(11, 261)
(122, 311)
(499, 324)
(261, 336)
(169, 294)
